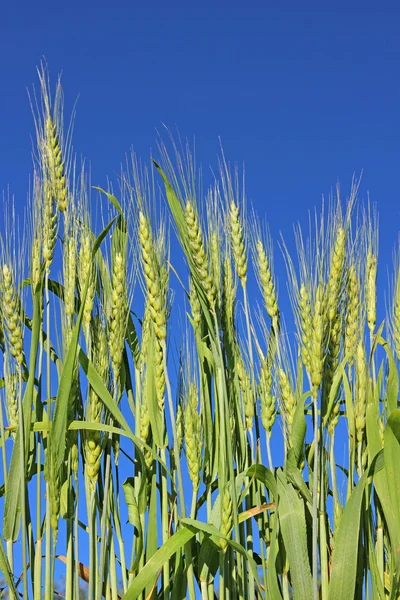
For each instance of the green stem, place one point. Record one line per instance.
(23, 488)
(222, 581)
(315, 502)
(332, 463)
(47, 584)
(164, 520)
(91, 496)
(285, 585)
(194, 505)
(323, 553)
(76, 539)
(69, 579)
(359, 459)
(48, 577)
(113, 567)
(9, 544)
(103, 522)
(188, 549)
(204, 590)
(270, 463)
(37, 591)
(117, 525)
(379, 547)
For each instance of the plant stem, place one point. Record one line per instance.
(188, 549)
(164, 520)
(315, 502)
(48, 577)
(270, 463)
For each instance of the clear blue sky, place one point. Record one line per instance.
(302, 94)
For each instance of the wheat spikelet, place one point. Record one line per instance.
(146, 329)
(238, 244)
(288, 401)
(267, 400)
(228, 297)
(336, 274)
(334, 418)
(52, 476)
(86, 270)
(305, 313)
(145, 432)
(266, 281)
(361, 391)
(353, 316)
(144, 422)
(70, 276)
(93, 439)
(226, 516)
(198, 253)
(159, 374)
(180, 425)
(72, 436)
(317, 345)
(193, 436)
(215, 261)
(35, 263)
(11, 393)
(332, 356)
(55, 497)
(245, 388)
(156, 279)
(117, 324)
(195, 306)
(49, 233)
(11, 314)
(55, 164)
(396, 314)
(370, 290)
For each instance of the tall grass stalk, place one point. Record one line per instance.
(196, 438)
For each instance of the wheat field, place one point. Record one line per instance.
(164, 432)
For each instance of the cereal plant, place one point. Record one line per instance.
(162, 434)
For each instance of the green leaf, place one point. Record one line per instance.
(12, 499)
(345, 555)
(67, 499)
(265, 476)
(392, 460)
(134, 518)
(333, 392)
(60, 423)
(133, 341)
(149, 573)
(179, 217)
(155, 414)
(6, 571)
(111, 198)
(298, 432)
(152, 528)
(216, 535)
(392, 383)
(292, 523)
(208, 559)
(272, 577)
(295, 477)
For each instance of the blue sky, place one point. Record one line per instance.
(303, 95)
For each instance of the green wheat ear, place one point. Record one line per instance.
(96, 399)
